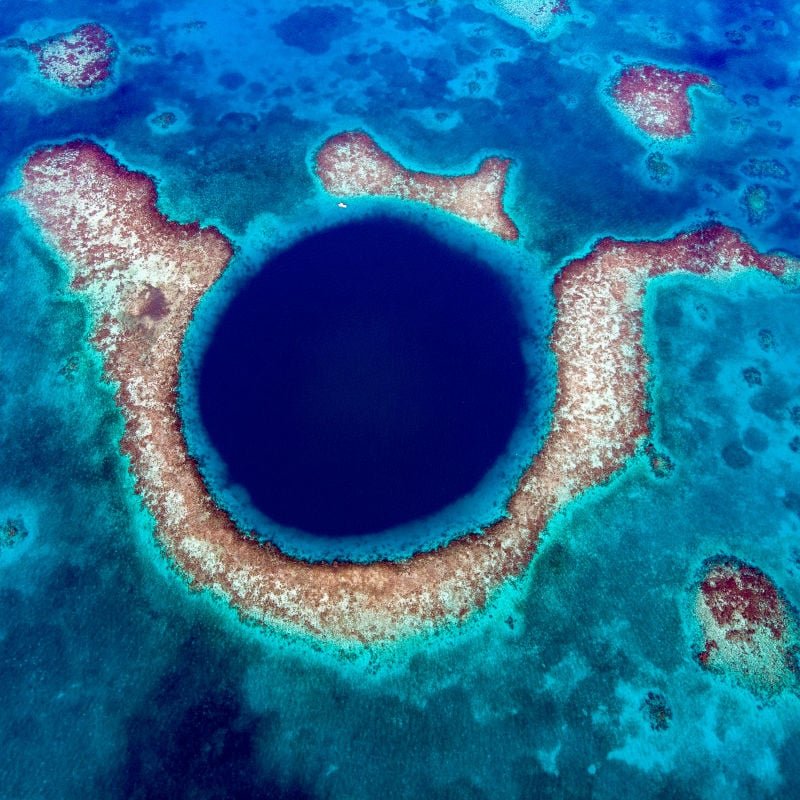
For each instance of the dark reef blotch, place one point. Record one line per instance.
(657, 711)
(12, 532)
(193, 738)
(735, 456)
(231, 80)
(755, 439)
(752, 376)
(315, 28)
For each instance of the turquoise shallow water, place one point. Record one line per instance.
(119, 682)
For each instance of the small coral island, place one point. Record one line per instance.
(81, 59)
(656, 100)
(352, 164)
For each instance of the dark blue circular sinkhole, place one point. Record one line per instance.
(366, 377)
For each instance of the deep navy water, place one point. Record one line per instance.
(343, 379)
(118, 681)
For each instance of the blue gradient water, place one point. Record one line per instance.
(119, 682)
(340, 381)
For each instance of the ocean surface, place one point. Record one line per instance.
(582, 678)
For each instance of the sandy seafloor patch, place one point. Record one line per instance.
(119, 682)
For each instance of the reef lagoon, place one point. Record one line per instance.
(400, 400)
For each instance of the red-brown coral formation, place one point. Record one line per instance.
(144, 276)
(352, 164)
(80, 59)
(656, 100)
(748, 627)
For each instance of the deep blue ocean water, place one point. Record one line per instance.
(340, 380)
(119, 682)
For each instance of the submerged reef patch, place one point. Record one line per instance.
(144, 275)
(657, 711)
(756, 200)
(656, 100)
(766, 168)
(352, 164)
(659, 169)
(12, 532)
(749, 629)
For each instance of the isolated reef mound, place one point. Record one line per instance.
(656, 100)
(80, 59)
(749, 630)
